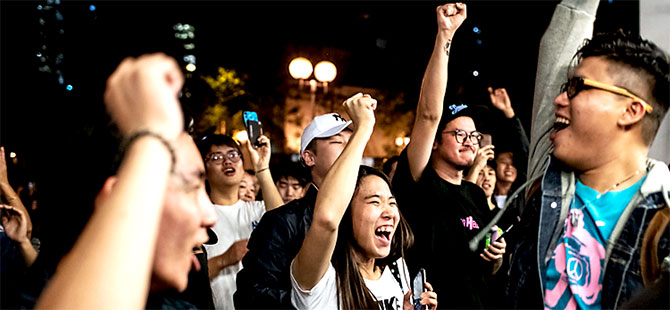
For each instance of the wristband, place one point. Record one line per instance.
(132, 138)
(259, 171)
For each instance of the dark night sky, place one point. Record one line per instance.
(386, 45)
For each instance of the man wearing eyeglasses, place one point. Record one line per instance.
(235, 218)
(445, 211)
(597, 229)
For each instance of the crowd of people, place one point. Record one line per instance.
(574, 215)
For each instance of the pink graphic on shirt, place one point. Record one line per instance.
(581, 271)
(469, 223)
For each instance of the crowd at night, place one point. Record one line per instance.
(334, 155)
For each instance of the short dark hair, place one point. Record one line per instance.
(637, 57)
(286, 169)
(205, 144)
(312, 144)
(492, 163)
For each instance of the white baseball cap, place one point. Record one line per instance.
(322, 126)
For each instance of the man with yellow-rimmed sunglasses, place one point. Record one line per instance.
(594, 231)
(577, 84)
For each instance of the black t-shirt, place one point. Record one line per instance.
(444, 218)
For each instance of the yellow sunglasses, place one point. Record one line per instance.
(577, 84)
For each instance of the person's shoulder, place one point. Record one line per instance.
(237, 205)
(472, 188)
(469, 185)
(250, 209)
(256, 204)
(430, 175)
(289, 211)
(402, 174)
(476, 192)
(658, 177)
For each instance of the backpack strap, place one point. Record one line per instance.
(649, 264)
(395, 271)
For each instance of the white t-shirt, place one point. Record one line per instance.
(233, 223)
(323, 295)
(500, 200)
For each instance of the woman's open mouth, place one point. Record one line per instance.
(384, 233)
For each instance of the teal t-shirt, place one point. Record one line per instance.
(574, 273)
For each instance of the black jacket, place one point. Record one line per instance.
(520, 150)
(264, 282)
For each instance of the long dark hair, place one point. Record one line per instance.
(352, 293)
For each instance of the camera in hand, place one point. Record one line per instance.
(253, 126)
(418, 287)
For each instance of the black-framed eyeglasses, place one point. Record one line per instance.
(461, 135)
(577, 84)
(218, 157)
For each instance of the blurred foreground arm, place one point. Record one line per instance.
(109, 266)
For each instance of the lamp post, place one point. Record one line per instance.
(325, 72)
(401, 142)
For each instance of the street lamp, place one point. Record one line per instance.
(240, 136)
(401, 142)
(325, 72)
(300, 68)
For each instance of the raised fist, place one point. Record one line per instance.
(141, 94)
(450, 16)
(360, 107)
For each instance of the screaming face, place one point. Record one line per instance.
(375, 217)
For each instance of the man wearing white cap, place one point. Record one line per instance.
(265, 283)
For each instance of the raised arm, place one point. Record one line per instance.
(110, 264)
(260, 158)
(571, 24)
(431, 99)
(10, 195)
(334, 196)
(15, 223)
(513, 128)
(484, 154)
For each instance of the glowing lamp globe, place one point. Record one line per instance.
(325, 71)
(300, 68)
(241, 136)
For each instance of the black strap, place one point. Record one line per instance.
(395, 270)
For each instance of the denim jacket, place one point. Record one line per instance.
(549, 208)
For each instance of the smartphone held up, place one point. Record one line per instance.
(418, 287)
(253, 127)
